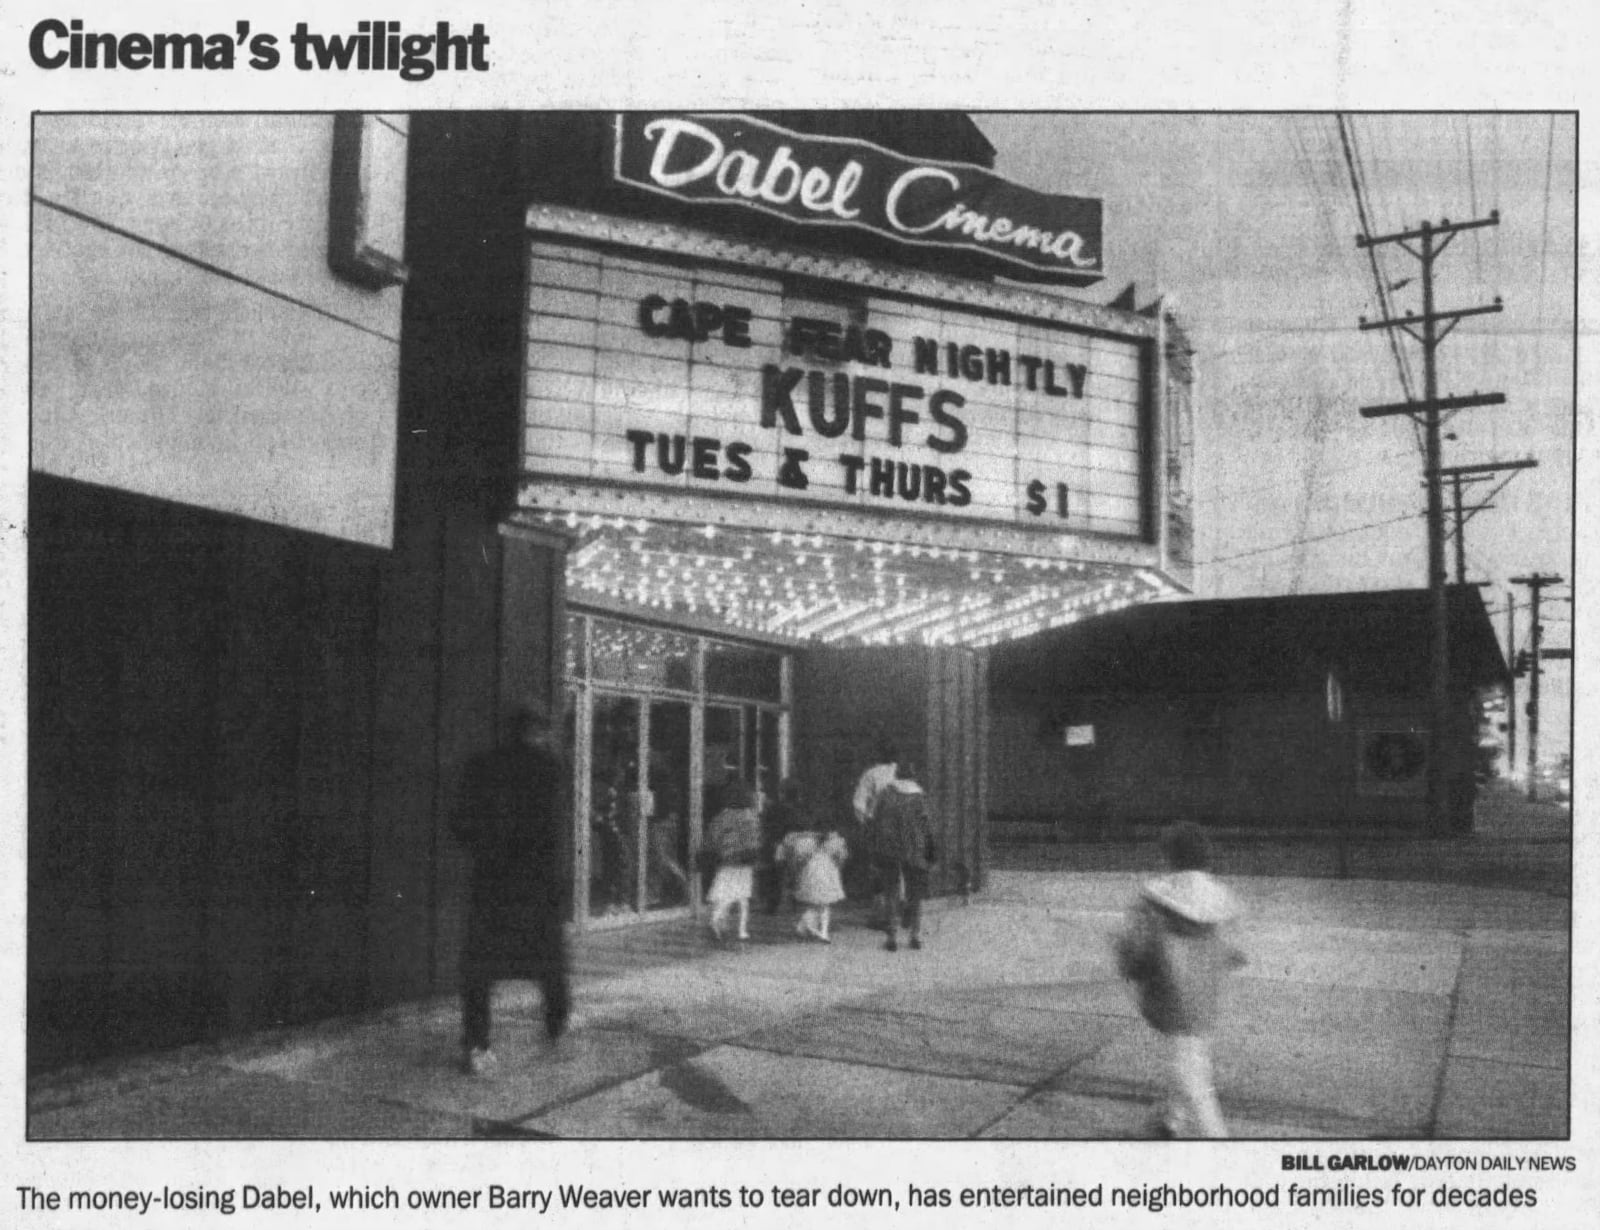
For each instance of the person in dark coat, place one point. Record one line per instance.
(882, 871)
(510, 819)
(904, 828)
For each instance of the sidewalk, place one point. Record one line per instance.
(1369, 1009)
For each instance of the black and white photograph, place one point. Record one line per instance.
(784, 465)
(657, 621)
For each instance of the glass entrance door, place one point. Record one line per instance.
(663, 721)
(639, 823)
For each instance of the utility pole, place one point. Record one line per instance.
(1535, 584)
(1426, 244)
(1511, 694)
(1481, 472)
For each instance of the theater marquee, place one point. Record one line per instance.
(647, 376)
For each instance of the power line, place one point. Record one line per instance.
(1295, 542)
(1308, 490)
(1232, 493)
(1320, 198)
(1472, 195)
(1544, 237)
(1346, 140)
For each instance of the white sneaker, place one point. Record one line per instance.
(479, 1061)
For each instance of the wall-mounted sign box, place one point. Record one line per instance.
(746, 163)
(367, 199)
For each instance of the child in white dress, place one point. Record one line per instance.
(818, 883)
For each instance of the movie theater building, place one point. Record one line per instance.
(736, 441)
(808, 422)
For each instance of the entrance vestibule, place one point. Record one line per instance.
(696, 713)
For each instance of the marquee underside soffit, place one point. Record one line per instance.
(834, 590)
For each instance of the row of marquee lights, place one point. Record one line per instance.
(836, 590)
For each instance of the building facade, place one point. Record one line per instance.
(1296, 713)
(738, 441)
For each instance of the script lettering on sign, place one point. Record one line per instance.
(831, 181)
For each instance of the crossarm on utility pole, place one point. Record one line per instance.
(1438, 403)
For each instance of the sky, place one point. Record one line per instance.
(1247, 224)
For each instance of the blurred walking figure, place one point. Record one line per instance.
(1175, 950)
(908, 852)
(510, 819)
(734, 838)
(817, 883)
(869, 789)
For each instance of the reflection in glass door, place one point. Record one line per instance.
(723, 755)
(667, 883)
(762, 769)
(639, 826)
(742, 742)
(614, 805)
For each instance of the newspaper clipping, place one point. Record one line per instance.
(691, 614)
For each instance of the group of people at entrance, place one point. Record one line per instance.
(802, 862)
(1173, 949)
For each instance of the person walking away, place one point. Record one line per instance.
(735, 839)
(1175, 949)
(818, 882)
(905, 833)
(510, 819)
(785, 816)
(869, 789)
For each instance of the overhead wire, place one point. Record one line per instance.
(1347, 143)
(1472, 197)
(1312, 474)
(1383, 156)
(1544, 244)
(1353, 152)
(1538, 332)
(1319, 195)
(1233, 493)
(1285, 546)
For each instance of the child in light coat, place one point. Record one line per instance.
(1175, 950)
(816, 861)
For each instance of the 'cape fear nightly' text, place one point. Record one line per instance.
(374, 46)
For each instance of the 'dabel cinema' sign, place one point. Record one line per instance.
(829, 181)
